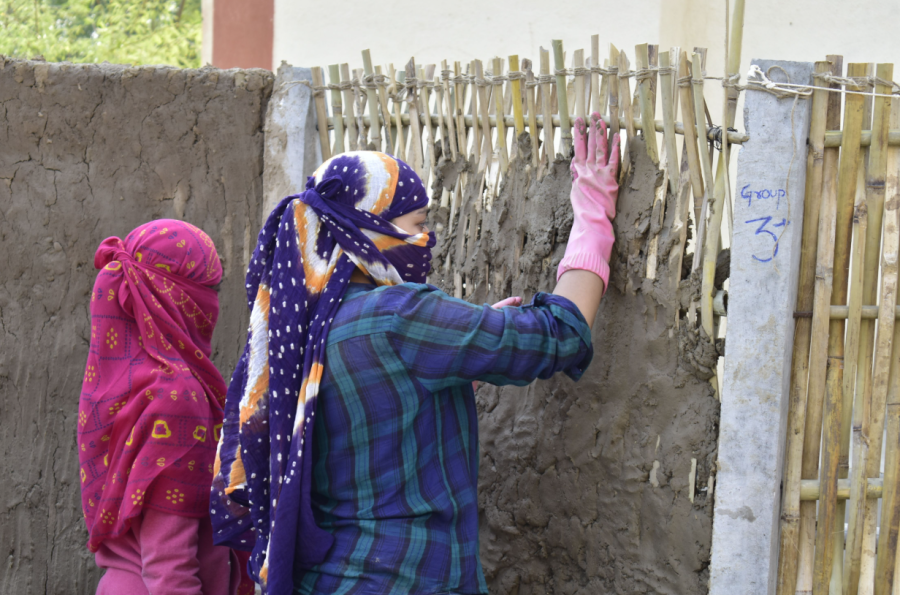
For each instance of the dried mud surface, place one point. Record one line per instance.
(584, 487)
(87, 152)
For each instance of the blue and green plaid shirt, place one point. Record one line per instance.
(396, 434)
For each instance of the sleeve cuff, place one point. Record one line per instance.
(585, 261)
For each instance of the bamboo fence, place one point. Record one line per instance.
(840, 501)
(478, 112)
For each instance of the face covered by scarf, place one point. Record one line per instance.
(306, 252)
(151, 403)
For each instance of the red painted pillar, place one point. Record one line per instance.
(242, 33)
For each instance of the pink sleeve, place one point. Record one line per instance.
(169, 553)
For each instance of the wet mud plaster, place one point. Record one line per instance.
(88, 152)
(585, 487)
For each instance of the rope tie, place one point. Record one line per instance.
(684, 81)
(373, 81)
(515, 75)
(643, 74)
(445, 74)
(546, 78)
(580, 71)
(665, 70)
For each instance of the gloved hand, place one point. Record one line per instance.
(594, 192)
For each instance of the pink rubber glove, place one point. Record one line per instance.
(594, 192)
(515, 302)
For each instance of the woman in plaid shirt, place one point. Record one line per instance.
(349, 456)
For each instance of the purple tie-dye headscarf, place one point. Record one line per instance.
(306, 252)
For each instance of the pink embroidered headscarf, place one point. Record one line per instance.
(151, 404)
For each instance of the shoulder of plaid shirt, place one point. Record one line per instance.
(396, 435)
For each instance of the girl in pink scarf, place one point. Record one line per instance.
(151, 413)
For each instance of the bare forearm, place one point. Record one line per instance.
(582, 288)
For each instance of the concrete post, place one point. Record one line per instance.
(292, 147)
(765, 255)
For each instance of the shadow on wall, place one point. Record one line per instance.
(88, 152)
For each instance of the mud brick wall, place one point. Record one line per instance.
(87, 152)
(585, 487)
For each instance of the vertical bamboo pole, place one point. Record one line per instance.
(849, 164)
(613, 86)
(442, 120)
(482, 89)
(869, 211)
(415, 124)
(532, 111)
(476, 129)
(642, 62)
(321, 111)
(797, 411)
(717, 199)
(451, 111)
(653, 62)
(668, 110)
(352, 132)
(885, 567)
(595, 76)
(499, 114)
(690, 132)
(425, 78)
(334, 76)
(385, 112)
(459, 103)
(625, 94)
(516, 85)
(374, 126)
(565, 127)
(819, 360)
(578, 62)
(397, 86)
(697, 81)
(548, 149)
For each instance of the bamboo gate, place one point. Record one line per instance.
(840, 502)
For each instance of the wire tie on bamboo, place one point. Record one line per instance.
(373, 81)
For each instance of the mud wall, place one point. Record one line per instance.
(585, 487)
(88, 152)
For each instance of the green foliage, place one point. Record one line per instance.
(118, 31)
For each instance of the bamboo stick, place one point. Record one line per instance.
(578, 63)
(835, 138)
(516, 86)
(334, 77)
(442, 121)
(459, 111)
(642, 62)
(385, 112)
(874, 384)
(372, 97)
(885, 567)
(360, 109)
(834, 404)
(809, 489)
(321, 111)
(604, 88)
(473, 111)
(790, 508)
(595, 76)
(451, 111)
(690, 132)
(667, 97)
(653, 61)
(627, 108)
(352, 132)
(426, 76)
(415, 125)
(819, 367)
(716, 205)
(532, 111)
(398, 78)
(549, 141)
(483, 90)
(565, 127)
(501, 123)
(614, 115)
(855, 378)
(697, 81)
